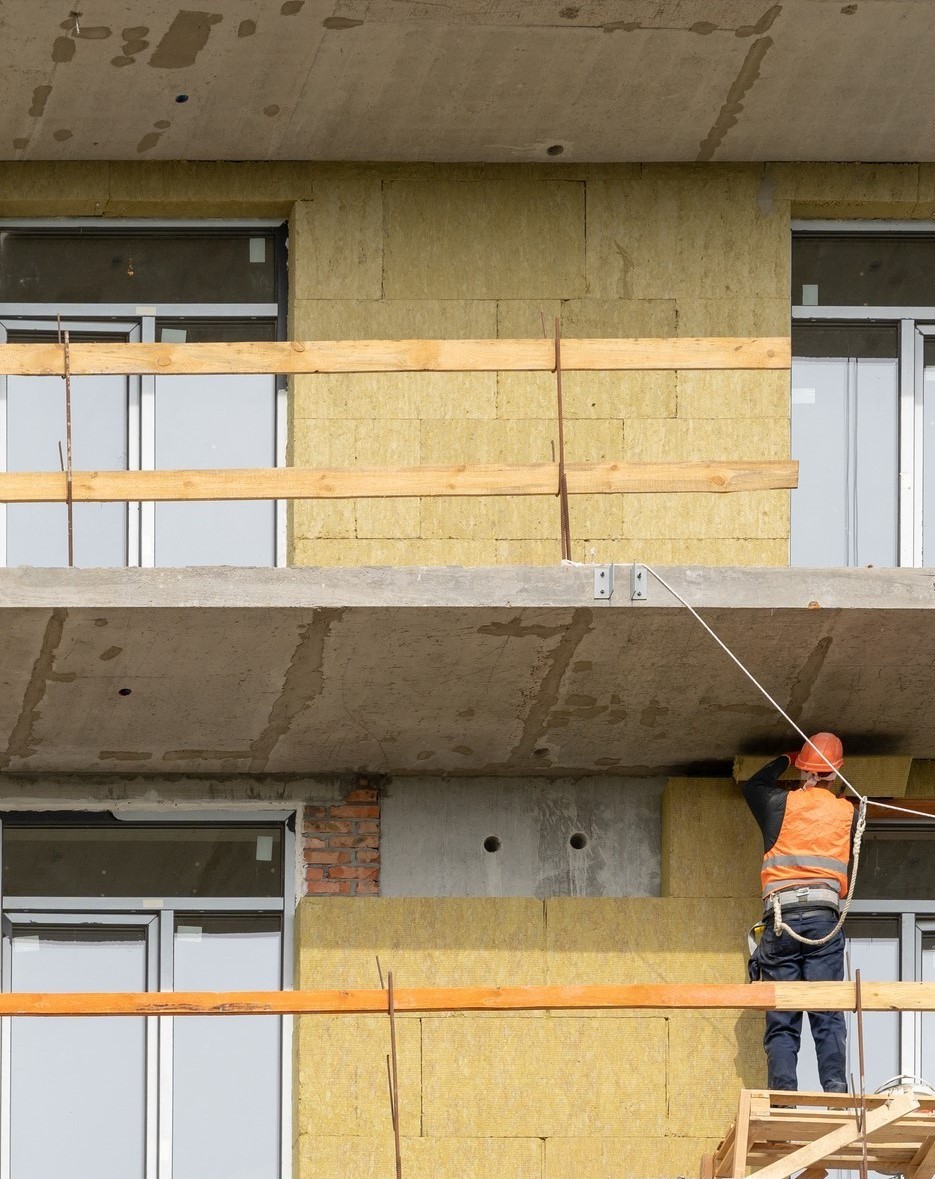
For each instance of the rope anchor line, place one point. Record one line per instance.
(778, 924)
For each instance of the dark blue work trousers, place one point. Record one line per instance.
(783, 959)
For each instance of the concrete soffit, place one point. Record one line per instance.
(507, 671)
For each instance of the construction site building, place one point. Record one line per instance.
(263, 744)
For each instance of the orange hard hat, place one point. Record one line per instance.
(828, 746)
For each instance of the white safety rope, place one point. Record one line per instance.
(778, 924)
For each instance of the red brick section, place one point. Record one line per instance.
(341, 843)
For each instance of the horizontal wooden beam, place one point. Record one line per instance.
(388, 356)
(360, 483)
(763, 996)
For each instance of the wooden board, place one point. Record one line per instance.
(776, 1138)
(763, 996)
(386, 356)
(478, 480)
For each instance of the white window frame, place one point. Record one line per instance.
(915, 324)
(141, 531)
(163, 909)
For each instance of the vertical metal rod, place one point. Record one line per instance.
(562, 481)
(391, 1007)
(860, 1060)
(69, 485)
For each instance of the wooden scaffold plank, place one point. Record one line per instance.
(293, 357)
(352, 483)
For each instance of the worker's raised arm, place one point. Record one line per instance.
(767, 799)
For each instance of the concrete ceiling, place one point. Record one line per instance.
(494, 80)
(470, 671)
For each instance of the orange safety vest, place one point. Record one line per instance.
(814, 843)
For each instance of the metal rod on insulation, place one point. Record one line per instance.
(391, 1008)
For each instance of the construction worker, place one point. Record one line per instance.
(807, 840)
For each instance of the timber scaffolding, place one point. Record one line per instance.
(776, 1133)
(298, 358)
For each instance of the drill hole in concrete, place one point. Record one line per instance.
(180, 98)
(555, 150)
(124, 691)
(579, 840)
(491, 844)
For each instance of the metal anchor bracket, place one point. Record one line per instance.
(603, 581)
(639, 583)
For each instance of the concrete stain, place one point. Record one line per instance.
(135, 32)
(703, 27)
(148, 142)
(184, 40)
(162, 124)
(122, 60)
(122, 755)
(463, 750)
(132, 48)
(291, 7)
(806, 679)
(733, 105)
(622, 26)
(653, 712)
(20, 143)
(271, 111)
(93, 32)
(562, 655)
(466, 713)
(577, 701)
(40, 96)
(246, 28)
(848, 9)
(340, 22)
(110, 653)
(205, 754)
(569, 13)
(62, 135)
(63, 49)
(424, 754)
(514, 629)
(23, 742)
(763, 25)
(302, 684)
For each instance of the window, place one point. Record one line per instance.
(143, 284)
(863, 395)
(94, 903)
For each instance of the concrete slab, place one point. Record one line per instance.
(491, 80)
(505, 671)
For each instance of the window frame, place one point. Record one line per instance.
(162, 912)
(141, 523)
(915, 324)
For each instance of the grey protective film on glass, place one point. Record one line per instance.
(227, 1072)
(897, 864)
(873, 946)
(124, 860)
(37, 534)
(928, 454)
(78, 1085)
(927, 974)
(138, 266)
(845, 417)
(863, 270)
(210, 422)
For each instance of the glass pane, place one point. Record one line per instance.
(227, 1072)
(129, 861)
(896, 864)
(207, 422)
(37, 534)
(863, 270)
(873, 949)
(845, 412)
(928, 454)
(138, 266)
(78, 1085)
(927, 1063)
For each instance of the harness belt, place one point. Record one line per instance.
(813, 897)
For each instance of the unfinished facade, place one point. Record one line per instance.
(259, 744)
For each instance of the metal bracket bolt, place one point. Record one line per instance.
(603, 581)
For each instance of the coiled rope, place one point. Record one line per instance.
(780, 926)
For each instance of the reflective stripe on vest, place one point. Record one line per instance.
(813, 845)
